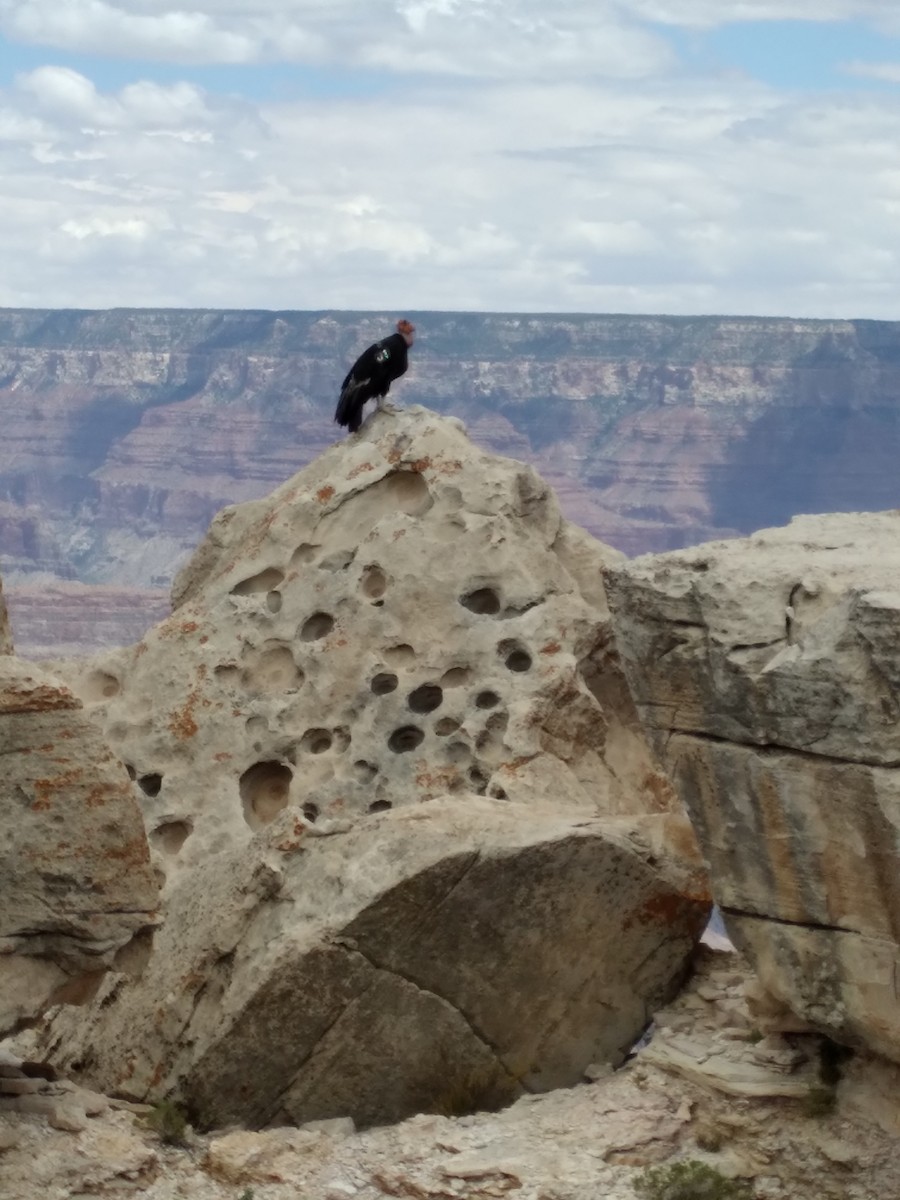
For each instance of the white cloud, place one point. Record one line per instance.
(700, 14)
(96, 26)
(456, 37)
(887, 72)
(558, 162)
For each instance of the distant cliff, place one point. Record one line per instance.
(124, 431)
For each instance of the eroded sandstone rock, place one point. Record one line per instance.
(579, 1143)
(76, 885)
(768, 673)
(417, 852)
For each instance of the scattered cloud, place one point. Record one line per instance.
(701, 14)
(888, 72)
(491, 154)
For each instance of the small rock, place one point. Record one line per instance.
(67, 1118)
(839, 1152)
(775, 1052)
(596, 1071)
(9, 1139)
(19, 1087)
(39, 1105)
(40, 1070)
(335, 1127)
(93, 1103)
(710, 992)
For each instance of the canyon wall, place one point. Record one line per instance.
(125, 431)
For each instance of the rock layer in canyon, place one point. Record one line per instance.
(767, 674)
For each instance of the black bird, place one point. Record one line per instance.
(372, 374)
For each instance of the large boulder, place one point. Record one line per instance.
(767, 672)
(77, 891)
(417, 851)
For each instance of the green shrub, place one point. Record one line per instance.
(819, 1101)
(690, 1180)
(478, 1091)
(709, 1138)
(168, 1122)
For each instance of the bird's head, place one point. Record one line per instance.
(408, 330)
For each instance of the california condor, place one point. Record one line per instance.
(372, 374)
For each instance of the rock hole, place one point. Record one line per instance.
(380, 806)
(459, 752)
(400, 656)
(425, 699)
(519, 610)
(264, 581)
(383, 683)
(373, 582)
(456, 677)
(409, 492)
(445, 726)
(489, 742)
(272, 670)
(150, 784)
(497, 792)
(478, 780)
(340, 560)
(227, 673)
(257, 726)
(304, 553)
(364, 771)
(274, 602)
(484, 601)
(404, 739)
(264, 790)
(515, 656)
(487, 699)
(171, 836)
(316, 741)
(319, 625)
(311, 812)
(100, 685)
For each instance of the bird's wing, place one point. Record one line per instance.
(364, 365)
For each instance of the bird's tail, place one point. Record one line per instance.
(350, 405)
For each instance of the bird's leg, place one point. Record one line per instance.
(382, 404)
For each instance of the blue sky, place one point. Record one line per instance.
(592, 155)
(793, 54)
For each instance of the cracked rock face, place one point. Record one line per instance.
(417, 852)
(77, 886)
(767, 672)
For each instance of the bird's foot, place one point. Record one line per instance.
(387, 407)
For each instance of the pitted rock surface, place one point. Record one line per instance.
(767, 673)
(77, 885)
(389, 766)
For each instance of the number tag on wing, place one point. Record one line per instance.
(383, 355)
